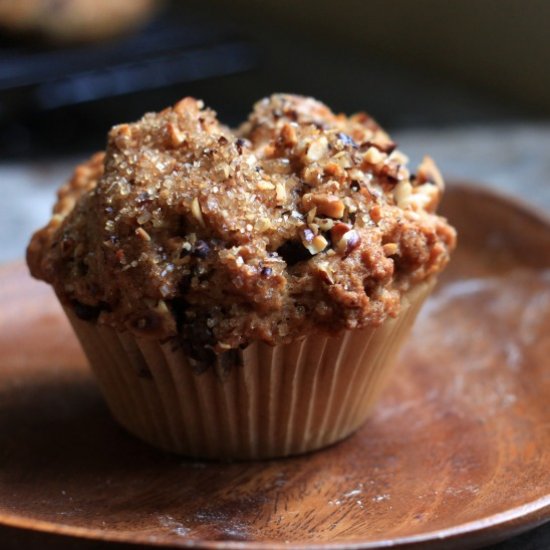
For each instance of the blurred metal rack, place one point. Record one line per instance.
(163, 53)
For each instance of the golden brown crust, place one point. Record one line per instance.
(301, 220)
(83, 180)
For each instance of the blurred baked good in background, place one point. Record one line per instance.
(421, 64)
(74, 21)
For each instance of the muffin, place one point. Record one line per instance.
(241, 294)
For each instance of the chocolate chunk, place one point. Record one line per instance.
(198, 340)
(86, 312)
(178, 306)
(82, 268)
(266, 272)
(144, 372)
(143, 197)
(240, 143)
(229, 360)
(201, 249)
(293, 252)
(67, 245)
(150, 322)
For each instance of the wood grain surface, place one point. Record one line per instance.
(456, 454)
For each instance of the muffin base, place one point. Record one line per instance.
(280, 401)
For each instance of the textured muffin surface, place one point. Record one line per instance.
(299, 221)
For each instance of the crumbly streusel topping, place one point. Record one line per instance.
(300, 220)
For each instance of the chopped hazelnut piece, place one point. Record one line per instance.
(188, 104)
(123, 133)
(144, 217)
(196, 211)
(316, 245)
(325, 273)
(314, 227)
(333, 169)
(280, 193)
(265, 185)
(428, 172)
(333, 208)
(398, 157)
(288, 133)
(338, 231)
(177, 137)
(223, 170)
(386, 146)
(425, 197)
(325, 224)
(392, 172)
(263, 224)
(348, 242)
(374, 156)
(375, 213)
(327, 205)
(317, 149)
(402, 193)
(142, 234)
(311, 215)
(390, 249)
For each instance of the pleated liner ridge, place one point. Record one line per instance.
(280, 401)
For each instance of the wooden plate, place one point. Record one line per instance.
(457, 452)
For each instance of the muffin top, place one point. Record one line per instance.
(299, 221)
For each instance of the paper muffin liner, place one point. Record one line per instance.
(266, 402)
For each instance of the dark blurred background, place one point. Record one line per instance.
(422, 63)
(467, 81)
